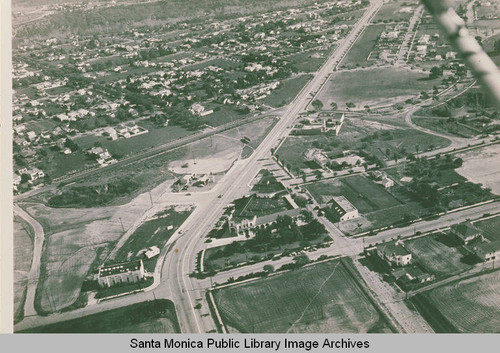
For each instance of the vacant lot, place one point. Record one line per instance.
(471, 305)
(149, 317)
(490, 228)
(323, 298)
(362, 48)
(23, 254)
(365, 195)
(445, 126)
(154, 232)
(77, 241)
(374, 86)
(393, 12)
(287, 92)
(436, 257)
(123, 147)
(481, 166)
(304, 62)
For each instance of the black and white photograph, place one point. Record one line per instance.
(254, 167)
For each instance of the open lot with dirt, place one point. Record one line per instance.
(481, 166)
(149, 317)
(437, 257)
(216, 154)
(374, 86)
(76, 242)
(471, 305)
(23, 255)
(324, 298)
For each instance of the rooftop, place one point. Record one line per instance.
(486, 248)
(393, 248)
(120, 268)
(465, 229)
(344, 203)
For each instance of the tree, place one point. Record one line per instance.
(25, 178)
(350, 105)
(333, 105)
(268, 268)
(436, 72)
(317, 104)
(301, 260)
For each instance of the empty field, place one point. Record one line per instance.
(374, 86)
(471, 305)
(490, 228)
(362, 48)
(436, 257)
(23, 254)
(154, 232)
(323, 298)
(149, 317)
(287, 92)
(365, 195)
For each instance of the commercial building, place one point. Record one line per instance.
(124, 272)
(343, 208)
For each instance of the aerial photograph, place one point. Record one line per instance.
(256, 166)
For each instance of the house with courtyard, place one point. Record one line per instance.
(124, 272)
(394, 253)
(466, 232)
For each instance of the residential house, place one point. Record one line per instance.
(394, 253)
(488, 251)
(466, 232)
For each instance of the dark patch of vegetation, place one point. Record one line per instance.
(105, 322)
(94, 195)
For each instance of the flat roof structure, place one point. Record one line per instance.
(122, 267)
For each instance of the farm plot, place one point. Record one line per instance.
(23, 254)
(436, 257)
(471, 305)
(149, 317)
(374, 86)
(324, 298)
(490, 228)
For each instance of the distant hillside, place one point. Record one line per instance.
(131, 13)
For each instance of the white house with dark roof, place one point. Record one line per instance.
(394, 253)
(488, 251)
